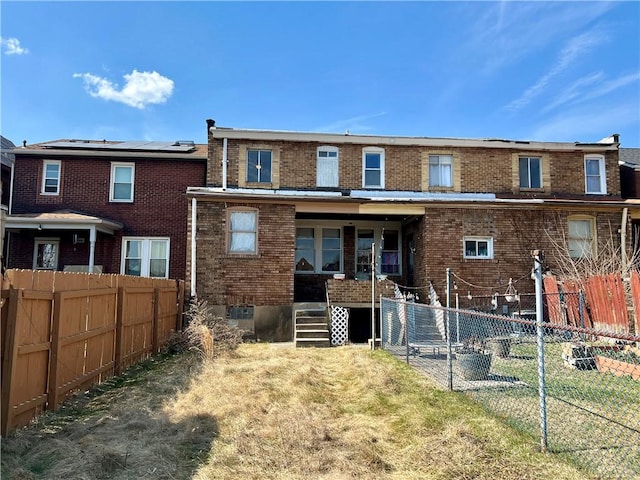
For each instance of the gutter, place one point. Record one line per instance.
(51, 153)
(274, 135)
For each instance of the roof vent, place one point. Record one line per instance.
(181, 143)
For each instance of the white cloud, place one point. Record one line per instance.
(574, 49)
(590, 87)
(503, 33)
(585, 126)
(11, 46)
(353, 124)
(140, 88)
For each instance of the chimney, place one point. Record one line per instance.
(211, 123)
(616, 138)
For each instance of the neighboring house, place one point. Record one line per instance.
(285, 215)
(103, 206)
(630, 188)
(7, 158)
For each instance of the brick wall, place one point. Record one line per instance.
(231, 279)
(159, 207)
(516, 232)
(488, 170)
(348, 292)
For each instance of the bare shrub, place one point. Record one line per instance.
(609, 258)
(209, 334)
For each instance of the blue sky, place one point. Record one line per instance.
(551, 71)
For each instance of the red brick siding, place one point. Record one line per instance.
(159, 207)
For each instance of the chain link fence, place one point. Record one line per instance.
(574, 388)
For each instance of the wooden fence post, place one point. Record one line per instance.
(180, 316)
(119, 330)
(54, 353)
(155, 325)
(10, 356)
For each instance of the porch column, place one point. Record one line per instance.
(92, 248)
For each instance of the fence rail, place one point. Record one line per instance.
(63, 332)
(574, 387)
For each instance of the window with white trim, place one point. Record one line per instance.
(581, 237)
(243, 231)
(145, 257)
(122, 178)
(530, 172)
(594, 172)
(46, 253)
(478, 247)
(50, 177)
(372, 167)
(440, 170)
(318, 250)
(259, 166)
(327, 166)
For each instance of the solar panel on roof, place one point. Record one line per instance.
(140, 146)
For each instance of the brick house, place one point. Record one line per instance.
(6, 169)
(112, 207)
(630, 188)
(293, 217)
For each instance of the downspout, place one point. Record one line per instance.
(224, 163)
(194, 204)
(13, 169)
(92, 248)
(623, 237)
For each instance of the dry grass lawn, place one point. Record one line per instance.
(271, 412)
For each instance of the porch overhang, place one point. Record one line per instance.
(385, 202)
(61, 221)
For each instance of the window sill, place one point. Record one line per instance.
(241, 255)
(479, 260)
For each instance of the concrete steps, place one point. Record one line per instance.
(311, 324)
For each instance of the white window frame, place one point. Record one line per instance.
(327, 162)
(46, 241)
(602, 184)
(442, 160)
(477, 239)
(45, 164)
(379, 151)
(230, 232)
(592, 239)
(114, 166)
(529, 158)
(318, 230)
(145, 252)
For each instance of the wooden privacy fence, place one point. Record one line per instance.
(605, 296)
(63, 332)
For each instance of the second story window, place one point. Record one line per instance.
(530, 172)
(373, 167)
(327, 167)
(121, 187)
(594, 172)
(259, 166)
(440, 170)
(50, 177)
